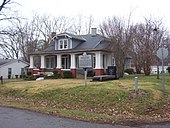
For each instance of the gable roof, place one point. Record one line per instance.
(4, 62)
(71, 36)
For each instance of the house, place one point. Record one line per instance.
(12, 67)
(65, 49)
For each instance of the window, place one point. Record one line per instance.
(94, 61)
(50, 62)
(113, 61)
(63, 44)
(104, 61)
(65, 61)
(10, 71)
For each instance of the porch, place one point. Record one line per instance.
(70, 61)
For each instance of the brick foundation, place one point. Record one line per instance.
(59, 72)
(99, 72)
(73, 71)
(42, 69)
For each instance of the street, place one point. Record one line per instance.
(17, 118)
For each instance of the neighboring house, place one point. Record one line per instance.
(154, 69)
(12, 67)
(65, 48)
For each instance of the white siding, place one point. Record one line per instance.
(16, 69)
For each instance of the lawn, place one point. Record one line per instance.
(111, 101)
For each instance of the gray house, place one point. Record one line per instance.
(65, 49)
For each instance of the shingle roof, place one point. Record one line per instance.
(4, 61)
(87, 42)
(50, 48)
(8, 61)
(91, 41)
(72, 36)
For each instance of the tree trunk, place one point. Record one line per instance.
(147, 69)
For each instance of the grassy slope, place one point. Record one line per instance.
(111, 101)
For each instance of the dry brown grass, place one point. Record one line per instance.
(111, 99)
(52, 84)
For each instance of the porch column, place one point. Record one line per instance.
(59, 67)
(73, 65)
(59, 61)
(108, 62)
(42, 63)
(99, 64)
(31, 62)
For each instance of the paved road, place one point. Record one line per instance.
(16, 118)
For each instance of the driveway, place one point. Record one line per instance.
(16, 118)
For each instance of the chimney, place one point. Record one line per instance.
(93, 31)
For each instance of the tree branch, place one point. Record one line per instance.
(5, 2)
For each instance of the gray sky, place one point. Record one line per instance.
(99, 8)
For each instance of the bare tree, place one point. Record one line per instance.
(120, 37)
(4, 3)
(9, 44)
(47, 24)
(31, 36)
(89, 24)
(82, 24)
(20, 39)
(146, 41)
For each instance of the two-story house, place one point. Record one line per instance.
(65, 48)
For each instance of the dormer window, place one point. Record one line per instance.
(63, 44)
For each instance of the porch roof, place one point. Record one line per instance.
(67, 51)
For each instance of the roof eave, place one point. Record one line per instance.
(70, 51)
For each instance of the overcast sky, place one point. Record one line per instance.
(99, 8)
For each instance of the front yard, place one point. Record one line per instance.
(111, 101)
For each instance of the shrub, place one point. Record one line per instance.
(21, 76)
(28, 77)
(55, 72)
(168, 68)
(90, 73)
(129, 70)
(67, 74)
(16, 76)
(41, 74)
(49, 77)
(29, 73)
(9, 76)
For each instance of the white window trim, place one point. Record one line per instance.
(50, 57)
(62, 44)
(71, 43)
(56, 43)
